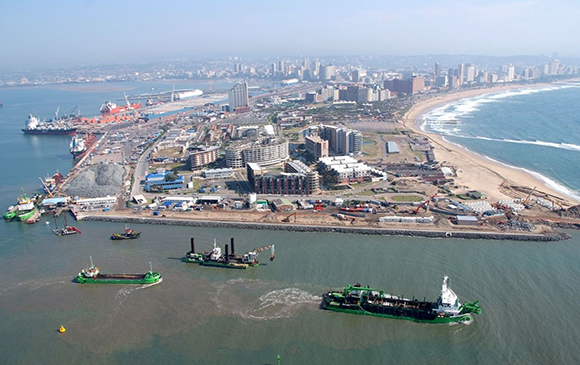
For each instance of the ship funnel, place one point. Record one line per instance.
(233, 250)
(227, 256)
(192, 245)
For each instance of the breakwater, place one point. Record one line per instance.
(559, 236)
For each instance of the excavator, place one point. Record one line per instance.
(250, 258)
(287, 219)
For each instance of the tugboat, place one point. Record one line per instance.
(92, 275)
(232, 261)
(129, 234)
(357, 299)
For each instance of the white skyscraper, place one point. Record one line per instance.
(511, 73)
(470, 74)
(238, 96)
(555, 67)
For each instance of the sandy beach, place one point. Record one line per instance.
(473, 170)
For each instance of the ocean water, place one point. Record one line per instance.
(534, 129)
(202, 315)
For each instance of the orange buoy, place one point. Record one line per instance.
(62, 329)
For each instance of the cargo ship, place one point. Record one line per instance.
(92, 275)
(111, 108)
(81, 145)
(60, 126)
(129, 234)
(356, 299)
(229, 260)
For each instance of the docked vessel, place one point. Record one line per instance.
(228, 260)
(112, 108)
(23, 210)
(50, 183)
(66, 230)
(129, 234)
(356, 299)
(61, 126)
(81, 145)
(92, 275)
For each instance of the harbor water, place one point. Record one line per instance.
(206, 315)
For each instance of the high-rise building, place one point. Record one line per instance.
(511, 73)
(555, 67)
(317, 146)
(327, 72)
(461, 73)
(437, 70)
(358, 75)
(409, 86)
(238, 97)
(470, 73)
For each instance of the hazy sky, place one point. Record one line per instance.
(84, 32)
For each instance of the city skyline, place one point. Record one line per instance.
(68, 33)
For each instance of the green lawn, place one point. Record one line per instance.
(407, 198)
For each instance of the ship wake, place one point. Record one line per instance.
(256, 300)
(124, 293)
(281, 303)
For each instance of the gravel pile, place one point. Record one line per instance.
(573, 212)
(97, 181)
(516, 225)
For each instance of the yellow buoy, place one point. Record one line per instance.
(62, 329)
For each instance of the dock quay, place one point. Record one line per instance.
(328, 228)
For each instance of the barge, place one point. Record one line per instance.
(129, 234)
(356, 299)
(229, 260)
(92, 275)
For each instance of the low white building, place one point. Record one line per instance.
(96, 203)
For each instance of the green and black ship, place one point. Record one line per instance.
(357, 299)
(92, 275)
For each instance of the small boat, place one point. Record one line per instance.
(129, 234)
(92, 275)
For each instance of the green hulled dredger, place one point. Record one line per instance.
(357, 299)
(92, 275)
(24, 210)
(228, 260)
